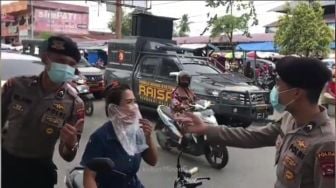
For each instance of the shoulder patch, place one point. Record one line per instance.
(327, 163)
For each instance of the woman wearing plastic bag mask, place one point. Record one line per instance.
(125, 139)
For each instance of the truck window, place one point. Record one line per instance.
(168, 65)
(149, 66)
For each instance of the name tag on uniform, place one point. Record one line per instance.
(52, 120)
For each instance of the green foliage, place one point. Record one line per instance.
(45, 35)
(126, 24)
(246, 8)
(183, 27)
(227, 25)
(302, 31)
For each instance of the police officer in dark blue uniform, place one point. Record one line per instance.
(38, 110)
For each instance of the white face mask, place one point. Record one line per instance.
(129, 133)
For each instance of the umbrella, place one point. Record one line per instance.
(252, 55)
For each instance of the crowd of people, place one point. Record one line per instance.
(38, 110)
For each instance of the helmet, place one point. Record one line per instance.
(183, 79)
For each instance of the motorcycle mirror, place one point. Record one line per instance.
(101, 164)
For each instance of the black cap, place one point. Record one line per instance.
(63, 45)
(303, 72)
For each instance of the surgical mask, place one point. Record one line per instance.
(59, 73)
(274, 97)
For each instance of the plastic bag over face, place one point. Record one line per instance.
(127, 129)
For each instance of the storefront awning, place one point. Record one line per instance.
(257, 46)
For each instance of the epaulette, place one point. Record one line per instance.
(71, 90)
(27, 80)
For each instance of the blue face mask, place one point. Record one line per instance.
(274, 97)
(59, 73)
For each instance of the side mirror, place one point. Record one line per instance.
(173, 74)
(101, 164)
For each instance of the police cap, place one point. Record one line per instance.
(303, 72)
(63, 45)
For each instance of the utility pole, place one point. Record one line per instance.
(32, 19)
(118, 19)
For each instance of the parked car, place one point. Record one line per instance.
(94, 77)
(13, 64)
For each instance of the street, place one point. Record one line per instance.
(246, 167)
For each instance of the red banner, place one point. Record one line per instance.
(60, 22)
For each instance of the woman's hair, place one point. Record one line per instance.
(113, 94)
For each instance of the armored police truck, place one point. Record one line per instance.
(149, 65)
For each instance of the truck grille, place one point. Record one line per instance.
(257, 98)
(94, 78)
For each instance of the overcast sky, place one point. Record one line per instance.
(196, 10)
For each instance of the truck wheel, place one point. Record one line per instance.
(98, 95)
(217, 156)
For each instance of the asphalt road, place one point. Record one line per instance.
(246, 167)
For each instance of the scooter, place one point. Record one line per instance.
(74, 177)
(168, 134)
(84, 93)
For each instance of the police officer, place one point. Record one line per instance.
(304, 137)
(38, 110)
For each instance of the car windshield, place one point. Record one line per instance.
(196, 66)
(83, 63)
(16, 67)
(196, 69)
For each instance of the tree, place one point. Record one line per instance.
(229, 24)
(45, 35)
(245, 7)
(183, 27)
(126, 24)
(302, 31)
(175, 34)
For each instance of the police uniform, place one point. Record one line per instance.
(34, 120)
(305, 154)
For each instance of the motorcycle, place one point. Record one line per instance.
(184, 175)
(168, 134)
(74, 177)
(84, 93)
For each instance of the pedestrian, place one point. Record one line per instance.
(248, 71)
(304, 137)
(38, 110)
(125, 139)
